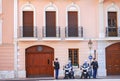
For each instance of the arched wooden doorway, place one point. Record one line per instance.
(39, 61)
(113, 59)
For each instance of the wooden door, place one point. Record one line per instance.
(50, 24)
(39, 64)
(28, 24)
(32, 61)
(113, 59)
(112, 23)
(72, 23)
(46, 64)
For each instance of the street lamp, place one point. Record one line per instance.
(90, 44)
(90, 47)
(90, 56)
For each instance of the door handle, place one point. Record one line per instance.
(48, 61)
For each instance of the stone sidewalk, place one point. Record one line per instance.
(107, 78)
(66, 80)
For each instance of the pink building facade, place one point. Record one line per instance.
(35, 32)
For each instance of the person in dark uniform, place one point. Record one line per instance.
(56, 67)
(94, 64)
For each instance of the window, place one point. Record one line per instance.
(51, 21)
(73, 24)
(73, 56)
(112, 24)
(72, 21)
(28, 21)
(50, 24)
(112, 19)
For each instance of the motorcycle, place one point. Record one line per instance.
(69, 73)
(85, 72)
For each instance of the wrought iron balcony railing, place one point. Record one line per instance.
(51, 31)
(27, 31)
(74, 32)
(112, 32)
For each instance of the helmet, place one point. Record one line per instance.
(85, 60)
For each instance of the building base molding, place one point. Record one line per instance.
(12, 74)
(102, 72)
(6, 74)
(22, 74)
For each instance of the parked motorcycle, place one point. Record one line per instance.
(85, 72)
(69, 73)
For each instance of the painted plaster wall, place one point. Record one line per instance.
(6, 48)
(8, 16)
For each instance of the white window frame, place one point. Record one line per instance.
(113, 8)
(50, 7)
(73, 7)
(27, 7)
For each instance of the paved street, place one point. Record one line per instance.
(108, 78)
(68, 80)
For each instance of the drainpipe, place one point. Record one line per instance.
(15, 39)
